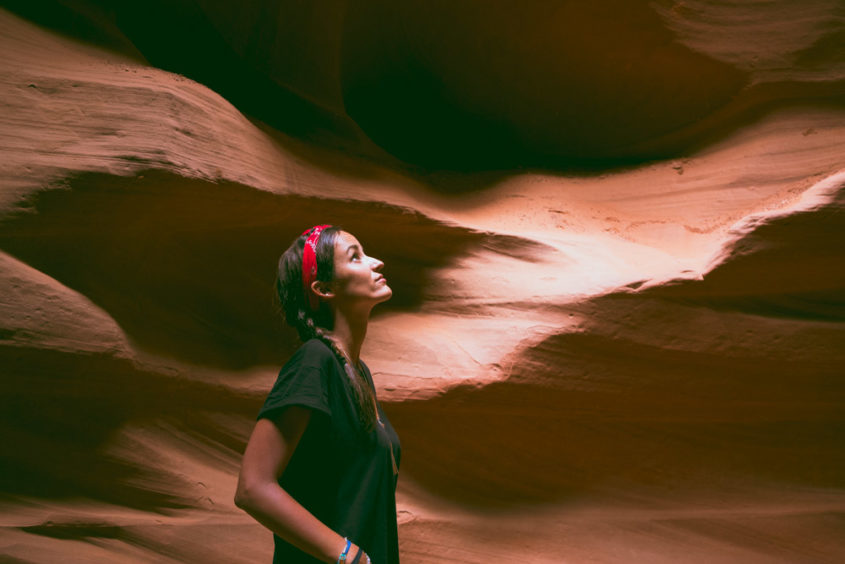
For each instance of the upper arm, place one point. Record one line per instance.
(272, 444)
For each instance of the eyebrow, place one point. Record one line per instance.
(352, 246)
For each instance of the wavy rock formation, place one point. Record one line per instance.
(613, 233)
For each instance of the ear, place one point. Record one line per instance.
(322, 289)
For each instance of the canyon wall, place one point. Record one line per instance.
(614, 235)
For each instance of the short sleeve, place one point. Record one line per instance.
(302, 381)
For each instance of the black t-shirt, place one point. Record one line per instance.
(342, 474)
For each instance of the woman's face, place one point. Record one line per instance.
(357, 277)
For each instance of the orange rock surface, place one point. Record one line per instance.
(614, 233)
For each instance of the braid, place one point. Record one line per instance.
(361, 390)
(363, 396)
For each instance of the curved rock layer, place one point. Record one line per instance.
(632, 364)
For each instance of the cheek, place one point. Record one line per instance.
(351, 281)
(364, 280)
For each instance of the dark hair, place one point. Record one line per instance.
(311, 324)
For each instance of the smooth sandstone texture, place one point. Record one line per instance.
(614, 235)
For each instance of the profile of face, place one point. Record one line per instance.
(357, 277)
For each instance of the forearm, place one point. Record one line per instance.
(258, 493)
(274, 508)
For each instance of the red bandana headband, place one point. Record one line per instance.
(309, 263)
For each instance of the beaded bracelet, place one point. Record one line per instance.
(357, 558)
(342, 557)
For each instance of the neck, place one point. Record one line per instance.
(349, 334)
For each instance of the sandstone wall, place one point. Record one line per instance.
(614, 235)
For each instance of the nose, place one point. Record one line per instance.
(376, 264)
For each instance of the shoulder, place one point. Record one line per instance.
(315, 347)
(304, 380)
(314, 354)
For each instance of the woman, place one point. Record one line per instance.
(321, 465)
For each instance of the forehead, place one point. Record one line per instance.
(345, 240)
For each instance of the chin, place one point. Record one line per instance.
(385, 294)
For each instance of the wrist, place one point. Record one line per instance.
(361, 557)
(347, 546)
